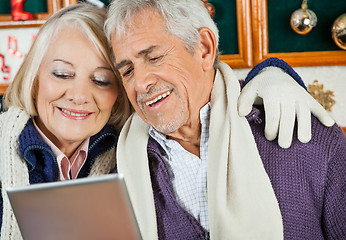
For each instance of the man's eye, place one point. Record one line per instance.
(155, 59)
(128, 72)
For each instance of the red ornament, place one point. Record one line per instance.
(33, 38)
(4, 68)
(17, 11)
(13, 51)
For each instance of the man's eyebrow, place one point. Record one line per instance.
(146, 51)
(143, 52)
(122, 64)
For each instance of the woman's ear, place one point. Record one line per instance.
(208, 48)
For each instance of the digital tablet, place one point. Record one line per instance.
(89, 208)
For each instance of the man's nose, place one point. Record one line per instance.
(144, 79)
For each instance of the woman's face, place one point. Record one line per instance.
(76, 90)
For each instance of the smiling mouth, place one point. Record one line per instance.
(74, 113)
(158, 98)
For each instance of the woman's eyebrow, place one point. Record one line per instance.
(60, 60)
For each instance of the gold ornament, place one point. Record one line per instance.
(339, 31)
(303, 20)
(210, 8)
(325, 98)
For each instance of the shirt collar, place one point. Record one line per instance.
(56, 151)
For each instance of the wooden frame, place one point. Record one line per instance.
(244, 58)
(39, 18)
(65, 3)
(3, 88)
(295, 59)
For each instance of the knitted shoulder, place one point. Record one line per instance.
(13, 118)
(329, 136)
(14, 115)
(104, 163)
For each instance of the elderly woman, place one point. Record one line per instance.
(65, 107)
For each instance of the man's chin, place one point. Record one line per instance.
(166, 128)
(165, 123)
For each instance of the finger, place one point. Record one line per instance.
(272, 117)
(246, 100)
(319, 112)
(304, 122)
(286, 126)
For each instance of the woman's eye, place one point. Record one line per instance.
(101, 83)
(63, 75)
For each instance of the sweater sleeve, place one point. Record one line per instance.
(274, 62)
(334, 208)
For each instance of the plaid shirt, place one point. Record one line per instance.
(187, 171)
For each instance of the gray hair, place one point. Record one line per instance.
(183, 19)
(85, 18)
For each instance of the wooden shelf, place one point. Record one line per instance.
(39, 18)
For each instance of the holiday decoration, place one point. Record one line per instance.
(303, 20)
(339, 31)
(210, 7)
(13, 51)
(5, 69)
(324, 97)
(97, 3)
(17, 11)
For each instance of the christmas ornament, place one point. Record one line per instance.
(303, 20)
(17, 11)
(33, 36)
(97, 3)
(210, 8)
(339, 31)
(5, 69)
(13, 51)
(324, 97)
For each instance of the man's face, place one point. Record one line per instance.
(163, 80)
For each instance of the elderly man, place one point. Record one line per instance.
(194, 168)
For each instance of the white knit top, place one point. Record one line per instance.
(13, 168)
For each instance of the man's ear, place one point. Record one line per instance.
(208, 48)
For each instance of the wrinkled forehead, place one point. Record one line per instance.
(140, 19)
(144, 31)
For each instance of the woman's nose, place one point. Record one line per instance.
(79, 91)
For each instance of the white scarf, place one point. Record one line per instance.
(241, 200)
(14, 171)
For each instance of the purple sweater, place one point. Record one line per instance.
(308, 180)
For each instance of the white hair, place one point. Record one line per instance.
(183, 18)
